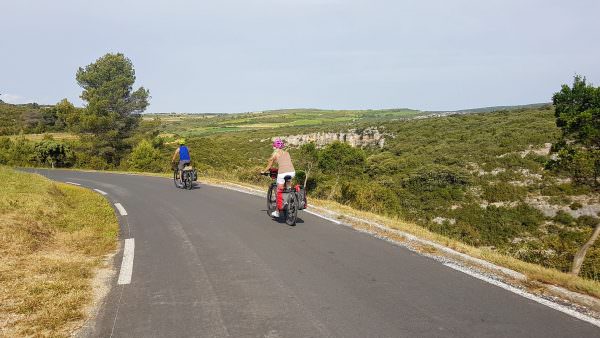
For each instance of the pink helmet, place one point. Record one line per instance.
(278, 143)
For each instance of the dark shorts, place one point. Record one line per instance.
(183, 164)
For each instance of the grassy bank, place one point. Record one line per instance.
(52, 238)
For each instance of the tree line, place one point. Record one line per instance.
(106, 125)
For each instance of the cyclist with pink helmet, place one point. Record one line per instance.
(285, 168)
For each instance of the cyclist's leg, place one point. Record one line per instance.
(279, 198)
(182, 165)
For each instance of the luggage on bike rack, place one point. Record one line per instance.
(301, 193)
(193, 172)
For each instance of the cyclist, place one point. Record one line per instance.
(184, 155)
(285, 168)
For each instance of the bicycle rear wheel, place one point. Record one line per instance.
(291, 210)
(188, 183)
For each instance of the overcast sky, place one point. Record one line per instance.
(248, 55)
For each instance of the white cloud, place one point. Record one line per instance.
(12, 98)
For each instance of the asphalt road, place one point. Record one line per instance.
(210, 263)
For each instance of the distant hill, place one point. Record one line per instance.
(316, 110)
(495, 108)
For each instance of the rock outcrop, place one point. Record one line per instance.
(370, 137)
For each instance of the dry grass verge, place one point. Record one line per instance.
(52, 239)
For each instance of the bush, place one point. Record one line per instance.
(575, 206)
(5, 145)
(85, 160)
(145, 157)
(436, 178)
(503, 192)
(21, 153)
(563, 217)
(498, 225)
(250, 175)
(340, 158)
(587, 221)
(370, 197)
(53, 153)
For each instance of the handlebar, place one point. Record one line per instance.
(271, 173)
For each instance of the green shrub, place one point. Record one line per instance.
(340, 158)
(21, 153)
(587, 221)
(370, 197)
(498, 225)
(575, 205)
(5, 145)
(145, 157)
(251, 175)
(435, 178)
(502, 192)
(53, 153)
(563, 217)
(85, 160)
(559, 200)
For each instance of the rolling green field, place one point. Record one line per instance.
(294, 119)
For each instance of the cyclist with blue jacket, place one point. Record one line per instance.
(184, 155)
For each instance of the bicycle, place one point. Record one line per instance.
(185, 178)
(294, 198)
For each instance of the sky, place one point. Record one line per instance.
(252, 55)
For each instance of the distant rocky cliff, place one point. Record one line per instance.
(365, 138)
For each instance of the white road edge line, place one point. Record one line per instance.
(552, 305)
(323, 217)
(73, 183)
(122, 210)
(561, 308)
(127, 263)
(100, 192)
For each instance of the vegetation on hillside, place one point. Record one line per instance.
(52, 238)
(521, 182)
(27, 118)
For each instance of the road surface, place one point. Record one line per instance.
(209, 263)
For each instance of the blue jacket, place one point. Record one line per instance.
(184, 154)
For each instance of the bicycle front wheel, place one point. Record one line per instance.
(176, 178)
(271, 199)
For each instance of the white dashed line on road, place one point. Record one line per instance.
(73, 183)
(122, 210)
(323, 217)
(127, 263)
(100, 192)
